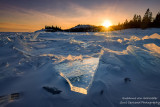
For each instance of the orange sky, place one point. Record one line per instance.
(19, 16)
(35, 20)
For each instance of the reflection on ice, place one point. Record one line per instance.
(79, 74)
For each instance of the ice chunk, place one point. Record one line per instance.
(119, 40)
(134, 38)
(154, 36)
(79, 74)
(152, 47)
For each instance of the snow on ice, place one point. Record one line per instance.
(43, 69)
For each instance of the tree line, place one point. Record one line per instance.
(52, 28)
(138, 22)
(147, 21)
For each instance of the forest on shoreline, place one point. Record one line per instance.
(147, 21)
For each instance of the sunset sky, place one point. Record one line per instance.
(31, 15)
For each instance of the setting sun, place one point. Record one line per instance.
(107, 23)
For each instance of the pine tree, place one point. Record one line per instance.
(147, 19)
(156, 22)
(139, 20)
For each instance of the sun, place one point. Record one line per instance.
(107, 23)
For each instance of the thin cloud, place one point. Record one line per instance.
(68, 13)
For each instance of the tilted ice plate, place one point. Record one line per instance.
(79, 74)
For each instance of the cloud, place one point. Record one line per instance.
(68, 13)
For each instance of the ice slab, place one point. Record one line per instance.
(79, 74)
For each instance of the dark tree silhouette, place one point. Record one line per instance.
(136, 22)
(52, 28)
(147, 19)
(156, 22)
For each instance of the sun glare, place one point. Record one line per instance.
(107, 24)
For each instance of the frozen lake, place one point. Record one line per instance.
(79, 69)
